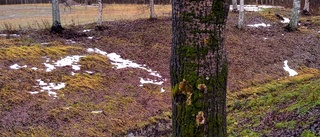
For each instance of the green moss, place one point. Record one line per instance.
(83, 82)
(285, 125)
(307, 133)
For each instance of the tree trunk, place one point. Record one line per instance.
(198, 68)
(56, 24)
(257, 2)
(234, 6)
(100, 14)
(293, 24)
(152, 14)
(241, 15)
(306, 8)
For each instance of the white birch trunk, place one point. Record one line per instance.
(241, 15)
(56, 23)
(306, 8)
(293, 24)
(100, 13)
(152, 13)
(234, 5)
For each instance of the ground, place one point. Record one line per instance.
(262, 99)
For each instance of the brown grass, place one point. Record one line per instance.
(35, 16)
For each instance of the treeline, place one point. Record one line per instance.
(3, 2)
(314, 4)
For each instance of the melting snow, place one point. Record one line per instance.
(256, 8)
(16, 66)
(34, 68)
(89, 72)
(49, 67)
(259, 25)
(162, 90)
(286, 20)
(86, 30)
(90, 37)
(291, 71)
(48, 87)
(69, 41)
(149, 81)
(121, 63)
(11, 35)
(67, 61)
(96, 112)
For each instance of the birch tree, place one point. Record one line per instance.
(241, 15)
(152, 13)
(56, 23)
(99, 25)
(198, 68)
(293, 24)
(306, 8)
(234, 6)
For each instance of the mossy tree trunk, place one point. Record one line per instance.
(293, 24)
(199, 68)
(56, 23)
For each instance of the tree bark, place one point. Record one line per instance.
(152, 13)
(241, 15)
(100, 14)
(56, 23)
(293, 24)
(198, 68)
(234, 6)
(306, 8)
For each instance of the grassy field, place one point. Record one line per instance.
(35, 16)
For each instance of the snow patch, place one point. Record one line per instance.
(90, 37)
(49, 87)
(67, 61)
(11, 35)
(162, 90)
(16, 66)
(286, 20)
(255, 8)
(291, 71)
(69, 41)
(150, 81)
(96, 112)
(86, 30)
(259, 25)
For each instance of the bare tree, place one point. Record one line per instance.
(56, 23)
(234, 6)
(100, 14)
(198, 68)
(152, 13)
(241, 15)
(306, 8)
(293, 24)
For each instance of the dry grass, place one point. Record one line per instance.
(35, 16)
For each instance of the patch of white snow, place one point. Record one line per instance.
(86, 30)
(90, 37)
(96, 112)
(286, 20)
(291, 71)
(149, 81)
(162, 90)
(16, 66)
(259, 25)
(49, 67)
